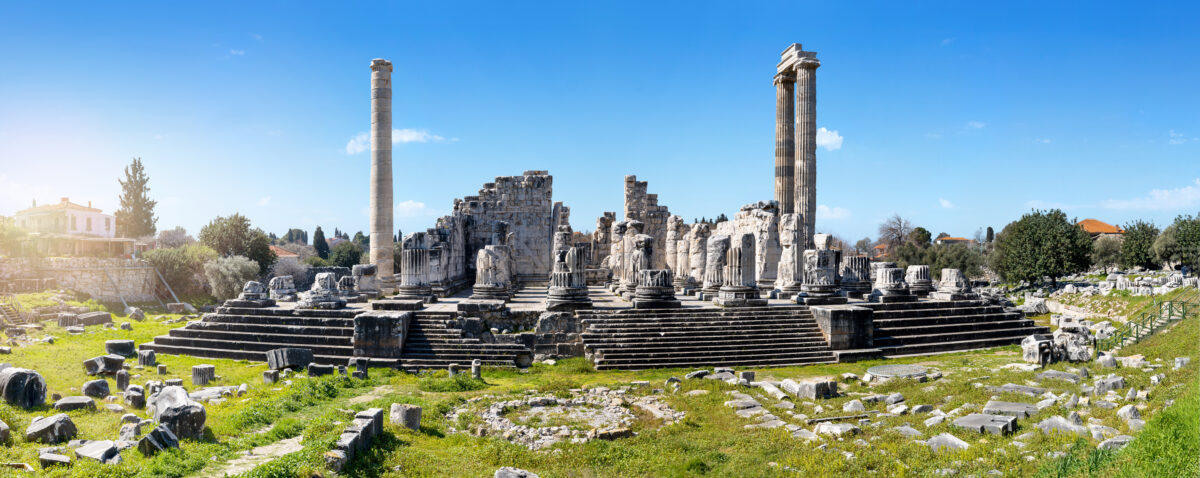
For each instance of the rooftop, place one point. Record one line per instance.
(1094, 226)
(281, 252)
(64, 204)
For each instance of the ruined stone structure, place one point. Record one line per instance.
(602, 240)
(890, 286)
(820, 278)
(643, 206)
(698, 253)
(953, 286)
(799, 68)
(642, 258)
(761, 221)
(655, 290)
(414, 269)
(381, 172)
(919, 282)
(568, 283)
(714, 265)
(676, 229)
(855, 275)
(791, 266)
(493, 274)
(739, 288)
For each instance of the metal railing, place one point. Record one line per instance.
(1152, 319)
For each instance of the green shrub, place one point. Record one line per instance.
(346, 254)
(458, 383)
(227, 275)
(182, 267)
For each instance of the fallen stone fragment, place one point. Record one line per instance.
(124, 348)
(51, 430)
(103, 451)
(1062, 425)
(174, 408)
(982, 422)
(510, 472)
(696, 374)
(48, 460)
(159, 439)
(289, 358)
(22, 388)
(75, 403)
(1013, 409)
(946, 442)
(1129, 412)
(405, 415)
(853, 406)
(1115, 443)
(95, 388)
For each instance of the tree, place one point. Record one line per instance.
(991, 235)
(182, 267)
(232, 236)
(320, 244)
(295, 235)
(135, 218)
(864, 245)
(1041, 244)
(1136, 247)
(227, 275)
(941, 235)
(722, 218)
(894, 231)
(1106, 252)
(346, 254)
(174, 237)
(363, 241)
(919, 236)
(1180, 242)
(10, 237)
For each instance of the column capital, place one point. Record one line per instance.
(784, 77)
(808, 62)
(379, 64)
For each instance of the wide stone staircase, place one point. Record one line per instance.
(746, 337)
(928, 327)
(248, 333)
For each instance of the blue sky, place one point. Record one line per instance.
(955, 115)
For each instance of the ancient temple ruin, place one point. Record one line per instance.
(504, 278)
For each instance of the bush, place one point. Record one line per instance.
(182, 267)
(297, 270)
(232, 236)
(1136, 247)
(346, 254)
(940, 256)
(1041, 244)
(317, 261)
(460, 382)
(227, 275)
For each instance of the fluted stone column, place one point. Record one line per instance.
(785, 142)
(381, 173)
(806, 143)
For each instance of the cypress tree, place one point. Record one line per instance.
(319, 243)
(135, 218)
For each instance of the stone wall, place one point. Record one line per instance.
(642, 206)
(516, 205)
(761, 220)
(133, 279)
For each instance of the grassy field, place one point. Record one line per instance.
(710, 440)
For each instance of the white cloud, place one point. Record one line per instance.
(947, 41)
(1042, 140)
(933, 135)
(975, 125)
(945, 204)
(410, 208)
(237, 52)
(1176, 138)
(1160, 199)
(361, 142)
(830, 140)
(263, 201)
(826, 212)
(256, 36)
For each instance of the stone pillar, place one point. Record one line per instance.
(785, 142)
(806, 143)
(740, 288)
(790, 277)
(698, 252)
(714, 264)
(890, 286)
(381, 173)
(820, 278)
(568, 284)
(919, 282)
(856, 276)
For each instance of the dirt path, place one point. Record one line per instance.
(376, 393)
(253, 458)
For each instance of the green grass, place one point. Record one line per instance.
(709, 441)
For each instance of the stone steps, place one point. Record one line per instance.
(248, 333)
(1011, 333)
(752, 336)
(952, 327)
(923, 328)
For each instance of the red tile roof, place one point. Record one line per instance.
(281, 252)
(1093, 226)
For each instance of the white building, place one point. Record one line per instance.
(66, 217)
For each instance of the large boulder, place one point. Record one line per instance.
(22, 387)
(50, 430)
(174, 408)
(96, 388)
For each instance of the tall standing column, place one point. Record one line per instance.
(806, 144)
(785, 142)
(381, 173)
